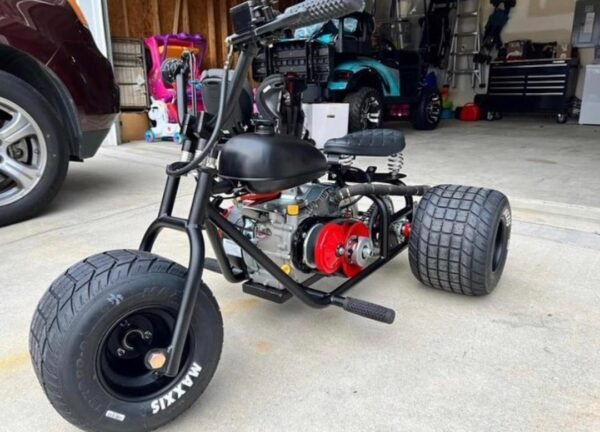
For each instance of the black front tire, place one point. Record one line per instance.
(459, 240)
(113, 298)
(366, 109)
(37, 107)
(427, 112)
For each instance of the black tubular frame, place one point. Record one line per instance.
(205, 213)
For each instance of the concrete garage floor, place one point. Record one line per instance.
(525, 358)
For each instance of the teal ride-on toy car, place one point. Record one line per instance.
(335, 61)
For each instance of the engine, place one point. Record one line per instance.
(303, 232)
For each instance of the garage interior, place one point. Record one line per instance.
(524, 358)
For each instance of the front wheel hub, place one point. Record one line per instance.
(132, 354)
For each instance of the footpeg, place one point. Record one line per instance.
(365, 309)
(267, 293)
(212, 265)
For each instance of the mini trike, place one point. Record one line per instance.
(126, 340)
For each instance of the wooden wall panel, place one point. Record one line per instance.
(207, 17)
(116, 17)
(166, 10)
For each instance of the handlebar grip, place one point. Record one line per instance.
(316, 11)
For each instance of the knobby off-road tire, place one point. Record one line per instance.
(366, 109)
(459, 240)
(427, 112)
(91, 331)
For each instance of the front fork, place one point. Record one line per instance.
(193, 228)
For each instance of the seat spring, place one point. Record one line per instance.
(346, 160)
(395, 163)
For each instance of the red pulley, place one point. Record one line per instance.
(329, 248)
(407, 230)
(354, 233)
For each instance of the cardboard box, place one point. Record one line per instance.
(133, 126)
(325, 121)
(564, 51)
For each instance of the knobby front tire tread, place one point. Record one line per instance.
(71, 292)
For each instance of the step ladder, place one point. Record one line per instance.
(466, 44)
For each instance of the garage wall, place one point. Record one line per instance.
(143, 18)
(540, 21)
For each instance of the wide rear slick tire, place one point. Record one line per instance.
(459, 240)
(93, 328)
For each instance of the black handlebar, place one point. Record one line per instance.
(302, 15)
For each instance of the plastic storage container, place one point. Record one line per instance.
(470, 113)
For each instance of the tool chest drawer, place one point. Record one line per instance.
(531, 86)
(530, 78)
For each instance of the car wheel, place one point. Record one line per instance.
(366, 109)
(427, 112)
(33, 151)
(562, 118)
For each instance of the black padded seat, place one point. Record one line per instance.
(369, 142)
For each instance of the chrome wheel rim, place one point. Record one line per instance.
(370, 113)
(434, 109)
(23, 152)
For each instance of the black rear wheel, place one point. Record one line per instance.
(459, 240)
(94, 333)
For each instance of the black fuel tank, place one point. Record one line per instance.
(270, 163)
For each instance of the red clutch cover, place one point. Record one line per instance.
(331, 241)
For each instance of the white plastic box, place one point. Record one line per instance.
(590, 106)
(325, 121)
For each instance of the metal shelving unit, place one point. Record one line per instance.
(129, 61)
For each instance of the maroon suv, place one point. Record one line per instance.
(58, 100)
